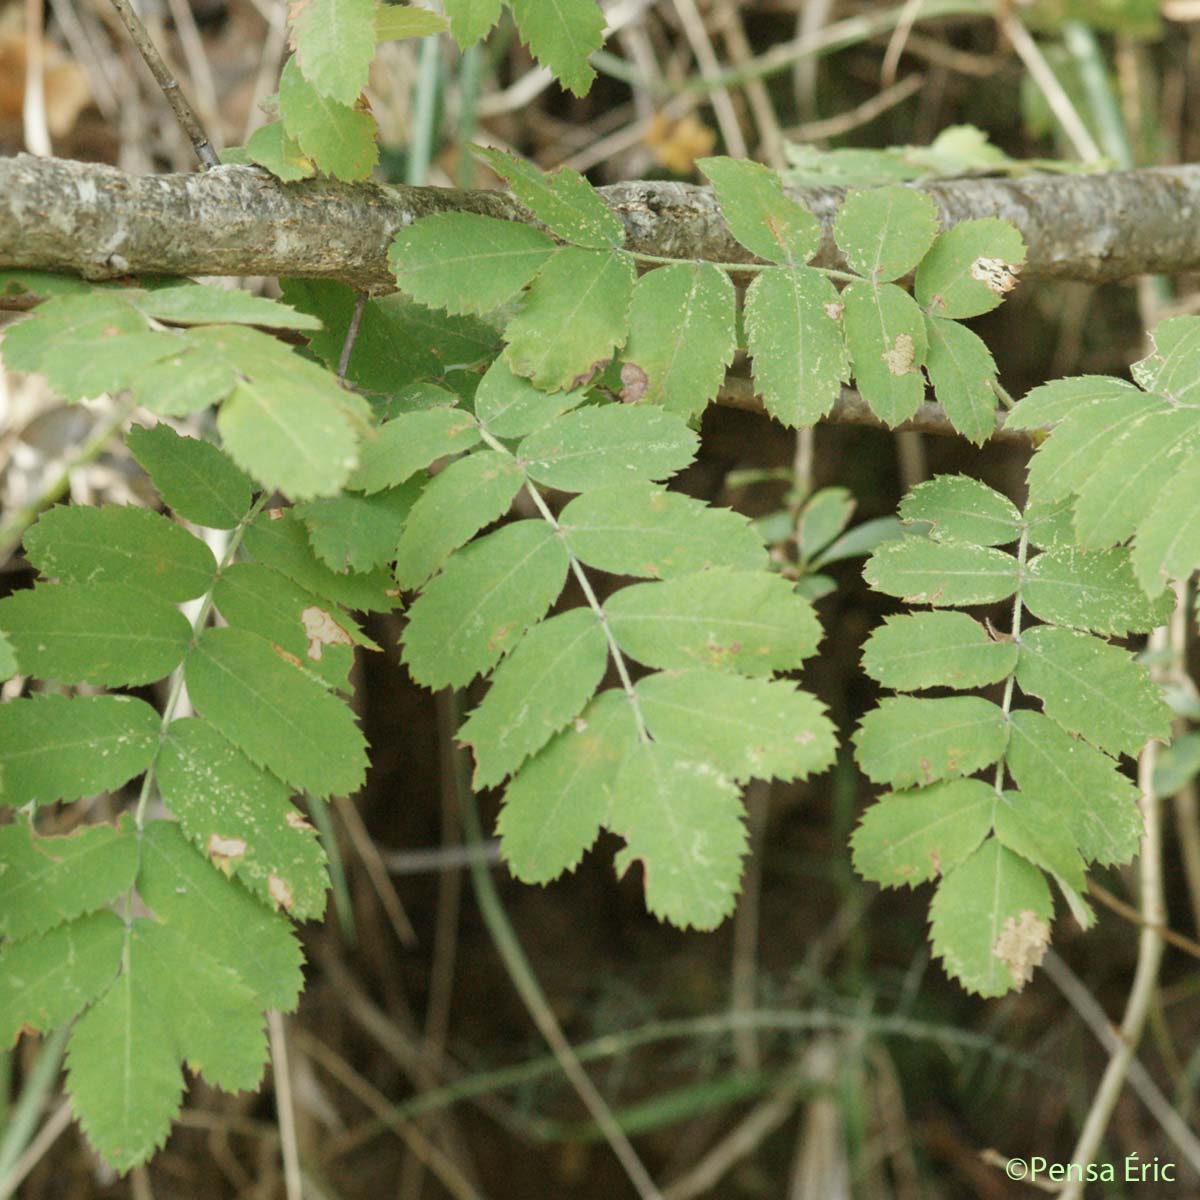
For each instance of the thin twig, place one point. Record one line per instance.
(1131, 914)
(284, 1108)
(35, 129)
(710, 68)
(184, 113)
(24, 1114)
(38, 1148)
(744, 982)
(862, 114)
(360, 304)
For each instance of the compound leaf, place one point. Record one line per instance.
(641, 529)
(794, 334)
(555, 807)
(600, 446)
(746, 728)
(911, 837)
(534, 692)
(936, 649)
(884, 232)
(270, 707)
(737, 621)
(573, 319)
(65, 747)
(683, 821)
(906, 741)
(193, 477)
(476, 610)
(467, 263)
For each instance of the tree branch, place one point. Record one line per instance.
(96, 221)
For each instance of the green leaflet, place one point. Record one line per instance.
(563, 201)
(125, 545)
(758, 212)
(359, 533)
(476, 610)
(990, 920)
(1096, 591)
(884, 232)
(745, 728)
(188, 303)
(47, 980)
(402, 446)
(540, 687)
(313, 630)
(338, 138)
(193, 477)
(334, 42)
(185, 382)
(220, 915)
(1170, 369)
(641, 529)
(8, 660)
(1092, 689)
(455, 505)
(683, 821)
(573, 319)
(794, 335)
(269, 146)
(824, 515)
(393, 22)
(466, 263)
(561, 34)
(885, 334)
(1039, 831)
(510, 406)
(962, 370)
(936, 649)
(920, 571)
(277, 538)
(1051, 523)
(738, 621)
(276, 712)
(554, 809)
(470, 20)
(63, 748)
(103, 633)
(1125, 480)
(970, 269)
(906, 741)
(86, 344)
(912, 837)
(1052, 402)
(241, 819)
(1178, 765)
(682, 337)
(49, 880)
(601, 446)
(961, 509)
(1168, 539)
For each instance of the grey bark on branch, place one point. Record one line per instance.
(99, 222)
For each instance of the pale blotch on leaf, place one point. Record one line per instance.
(275, 514)
(297, 820)
(224, 851)
(634, 382)
(1022, 945)
(899, 357)
(995, 274)
(321, 630)
(280, 891)
(834, 310)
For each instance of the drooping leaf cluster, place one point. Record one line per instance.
(169, 935)
(1064, 704)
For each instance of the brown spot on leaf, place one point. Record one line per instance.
(936, 859)
(297, 820)
(280, 891)
(1022, 945)
(926, 769)
(995, 274)
(496, 641)
(899, 357)
(587, 376)
(634, 383)
(286, 655)
(225, 851)
(321, 630)
(275, 514)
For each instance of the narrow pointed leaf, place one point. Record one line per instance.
(476, 610)
(535, 691)
(936, 649)
(794, 334)
(682, 820)
(65, 747)
(467, 263)
(573, 319)
(885, 333)
(907, 741)
(681, 337)
(884, 232)
(907, 838)
(601, 446)
(644, 530)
